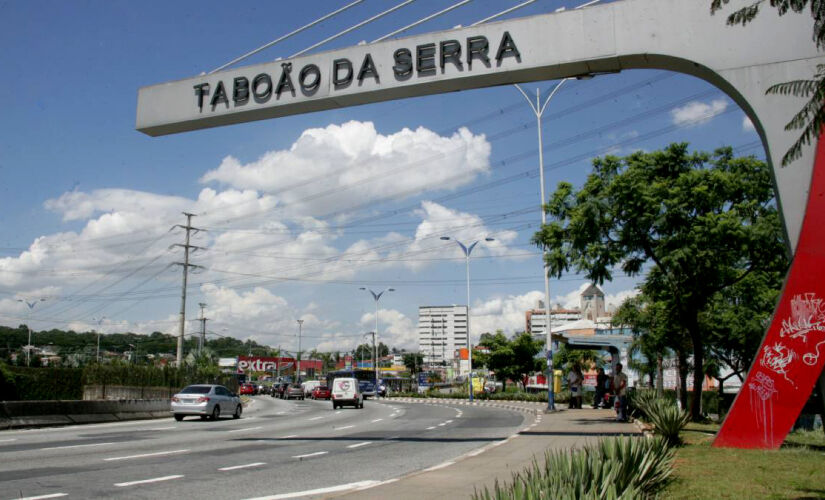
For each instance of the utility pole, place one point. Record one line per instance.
(298, 357)
(202, 342)
(186, 265)
(98, 321)
(29, 346)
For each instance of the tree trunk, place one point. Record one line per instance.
(698, 372)
(682, 368)
(660, 376)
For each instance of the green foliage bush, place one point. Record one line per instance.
(615, 468)
(667, 419)
(19, 383)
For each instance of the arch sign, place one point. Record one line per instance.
(675, 35)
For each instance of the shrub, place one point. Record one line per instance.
(667, 419)
(615, 468)
(19, 383)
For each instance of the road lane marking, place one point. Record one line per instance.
(290, 436)
(442, 424)
(246, 429)
(377, 420)
(73, 446)
(344, 427)
(430, 428)
(161, 428)
(317, 453)
(146, 481)
(439, 466)
(7, 440)
(43, 497)
(144, 455)
(236, 467)
(358, 445)
(449, 422)
(320, 491)
(316, 418)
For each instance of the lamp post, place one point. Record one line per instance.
(29, 346)
(538, 110)
(298, 354)
(467, 251)
(376, 297)
(98, 321)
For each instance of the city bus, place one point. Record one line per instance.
(366, 379)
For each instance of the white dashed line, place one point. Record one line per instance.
(43, 497)
(246, 429)
(320, 491)
(146, 481)
(236, 467)
(377, 420)
(344, 427)
(73, 446)
(316, 418)
(290, 436)
(430, 428)
(358, 445)
(439, 466)
(317, 453)
(158, 454)
(7, 440)
(442, 424)
(449, 422)
(161, 428)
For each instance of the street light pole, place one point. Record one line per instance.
(376, 297)
(29, 326)
(98, 321)
(467, 251)
(538, 110)
(298, 356)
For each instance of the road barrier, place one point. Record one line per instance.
(18, 414)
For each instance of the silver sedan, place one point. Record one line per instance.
(206, 401)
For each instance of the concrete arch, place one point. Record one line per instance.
(675, 35)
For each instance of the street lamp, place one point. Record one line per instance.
(29, 346)
(376, 297)
(538, 110)
(98, 321)
(467, 251)
(298, 356)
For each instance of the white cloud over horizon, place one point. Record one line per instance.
(697, 112)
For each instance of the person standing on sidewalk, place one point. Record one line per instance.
(602, 385)
(574, 381)
(620, 390)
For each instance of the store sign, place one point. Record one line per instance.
(263, 364)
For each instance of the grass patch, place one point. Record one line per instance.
(797, 470)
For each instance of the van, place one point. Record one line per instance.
(309, 385)
(345, 392)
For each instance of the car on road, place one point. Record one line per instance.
(321, 392)
(247, 389)
(294, 391)
(277, 390)
(206, 401)
(346, 391)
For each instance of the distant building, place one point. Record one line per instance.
(592, 303)
(442, 330)
(536, 324)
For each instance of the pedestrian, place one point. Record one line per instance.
(602, 386)
(574, 381)
(620, 390)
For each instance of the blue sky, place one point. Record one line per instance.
(87, 201)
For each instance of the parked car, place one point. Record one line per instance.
(321, 392)
(346, 391)
(294, 391)
(247, 389)
(206, 401)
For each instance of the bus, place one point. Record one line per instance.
(366, 379)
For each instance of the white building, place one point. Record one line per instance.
(536, 324)
(442, 330)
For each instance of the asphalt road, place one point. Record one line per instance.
(278, 448)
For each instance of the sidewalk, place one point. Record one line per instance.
(562, 430)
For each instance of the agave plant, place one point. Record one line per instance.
(667, 420)
(615, 468)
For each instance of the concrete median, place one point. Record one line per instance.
(21, 414)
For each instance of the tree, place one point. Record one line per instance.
(696, 223)
(514, 358)
(413, 360)
(811, 118)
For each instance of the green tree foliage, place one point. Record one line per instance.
(565, 358)
(697, 223)
(364, 351)
(811, 117)
(414, 361)
(510, 359)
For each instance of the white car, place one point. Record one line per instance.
(345, 392)
(206, 401)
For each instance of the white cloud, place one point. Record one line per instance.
(394, 328)
(335, 168)
(696, 112)
(505, 313)
(747, 125)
